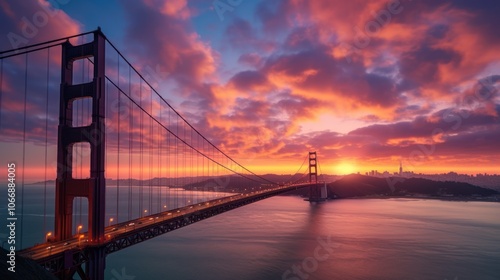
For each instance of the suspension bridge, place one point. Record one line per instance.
(127, 166)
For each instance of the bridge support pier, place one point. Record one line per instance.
(97, 263)
(93, 188)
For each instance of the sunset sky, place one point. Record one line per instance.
(366, 84)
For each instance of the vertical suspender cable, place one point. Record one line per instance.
(169, 175)
(118, 144)
(130, 142)
(118, 150)
(213, 173)
(24, 149)
(203, 169)
(184, 163)
(130, 137)
(141, 151)
(158, 169)
(191, 172)
(150, 209)
(160, 148)
(187, 173)
(46, 144)
(177, 163)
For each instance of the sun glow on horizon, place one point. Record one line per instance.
(344, 168)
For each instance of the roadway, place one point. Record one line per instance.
(80, 242)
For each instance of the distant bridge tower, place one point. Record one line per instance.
(317, 191)
(313, 171)
(68, 187)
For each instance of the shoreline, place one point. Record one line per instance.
(460, 199)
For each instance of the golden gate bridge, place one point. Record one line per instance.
(78, 108)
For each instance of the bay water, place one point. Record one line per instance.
(285, 237)
(288, 238)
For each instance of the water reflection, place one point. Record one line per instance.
(374, 239)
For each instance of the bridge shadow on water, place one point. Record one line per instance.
(293, 250)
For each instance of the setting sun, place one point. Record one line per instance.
(344, 168)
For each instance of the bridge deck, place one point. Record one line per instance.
(56, 255)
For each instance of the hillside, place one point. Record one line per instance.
(359, 185)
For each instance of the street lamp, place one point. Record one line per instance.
(110, 220)
(79, 238)
(47, 236)
(78, 228)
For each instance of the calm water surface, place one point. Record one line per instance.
(288, 238)
(285, 238)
